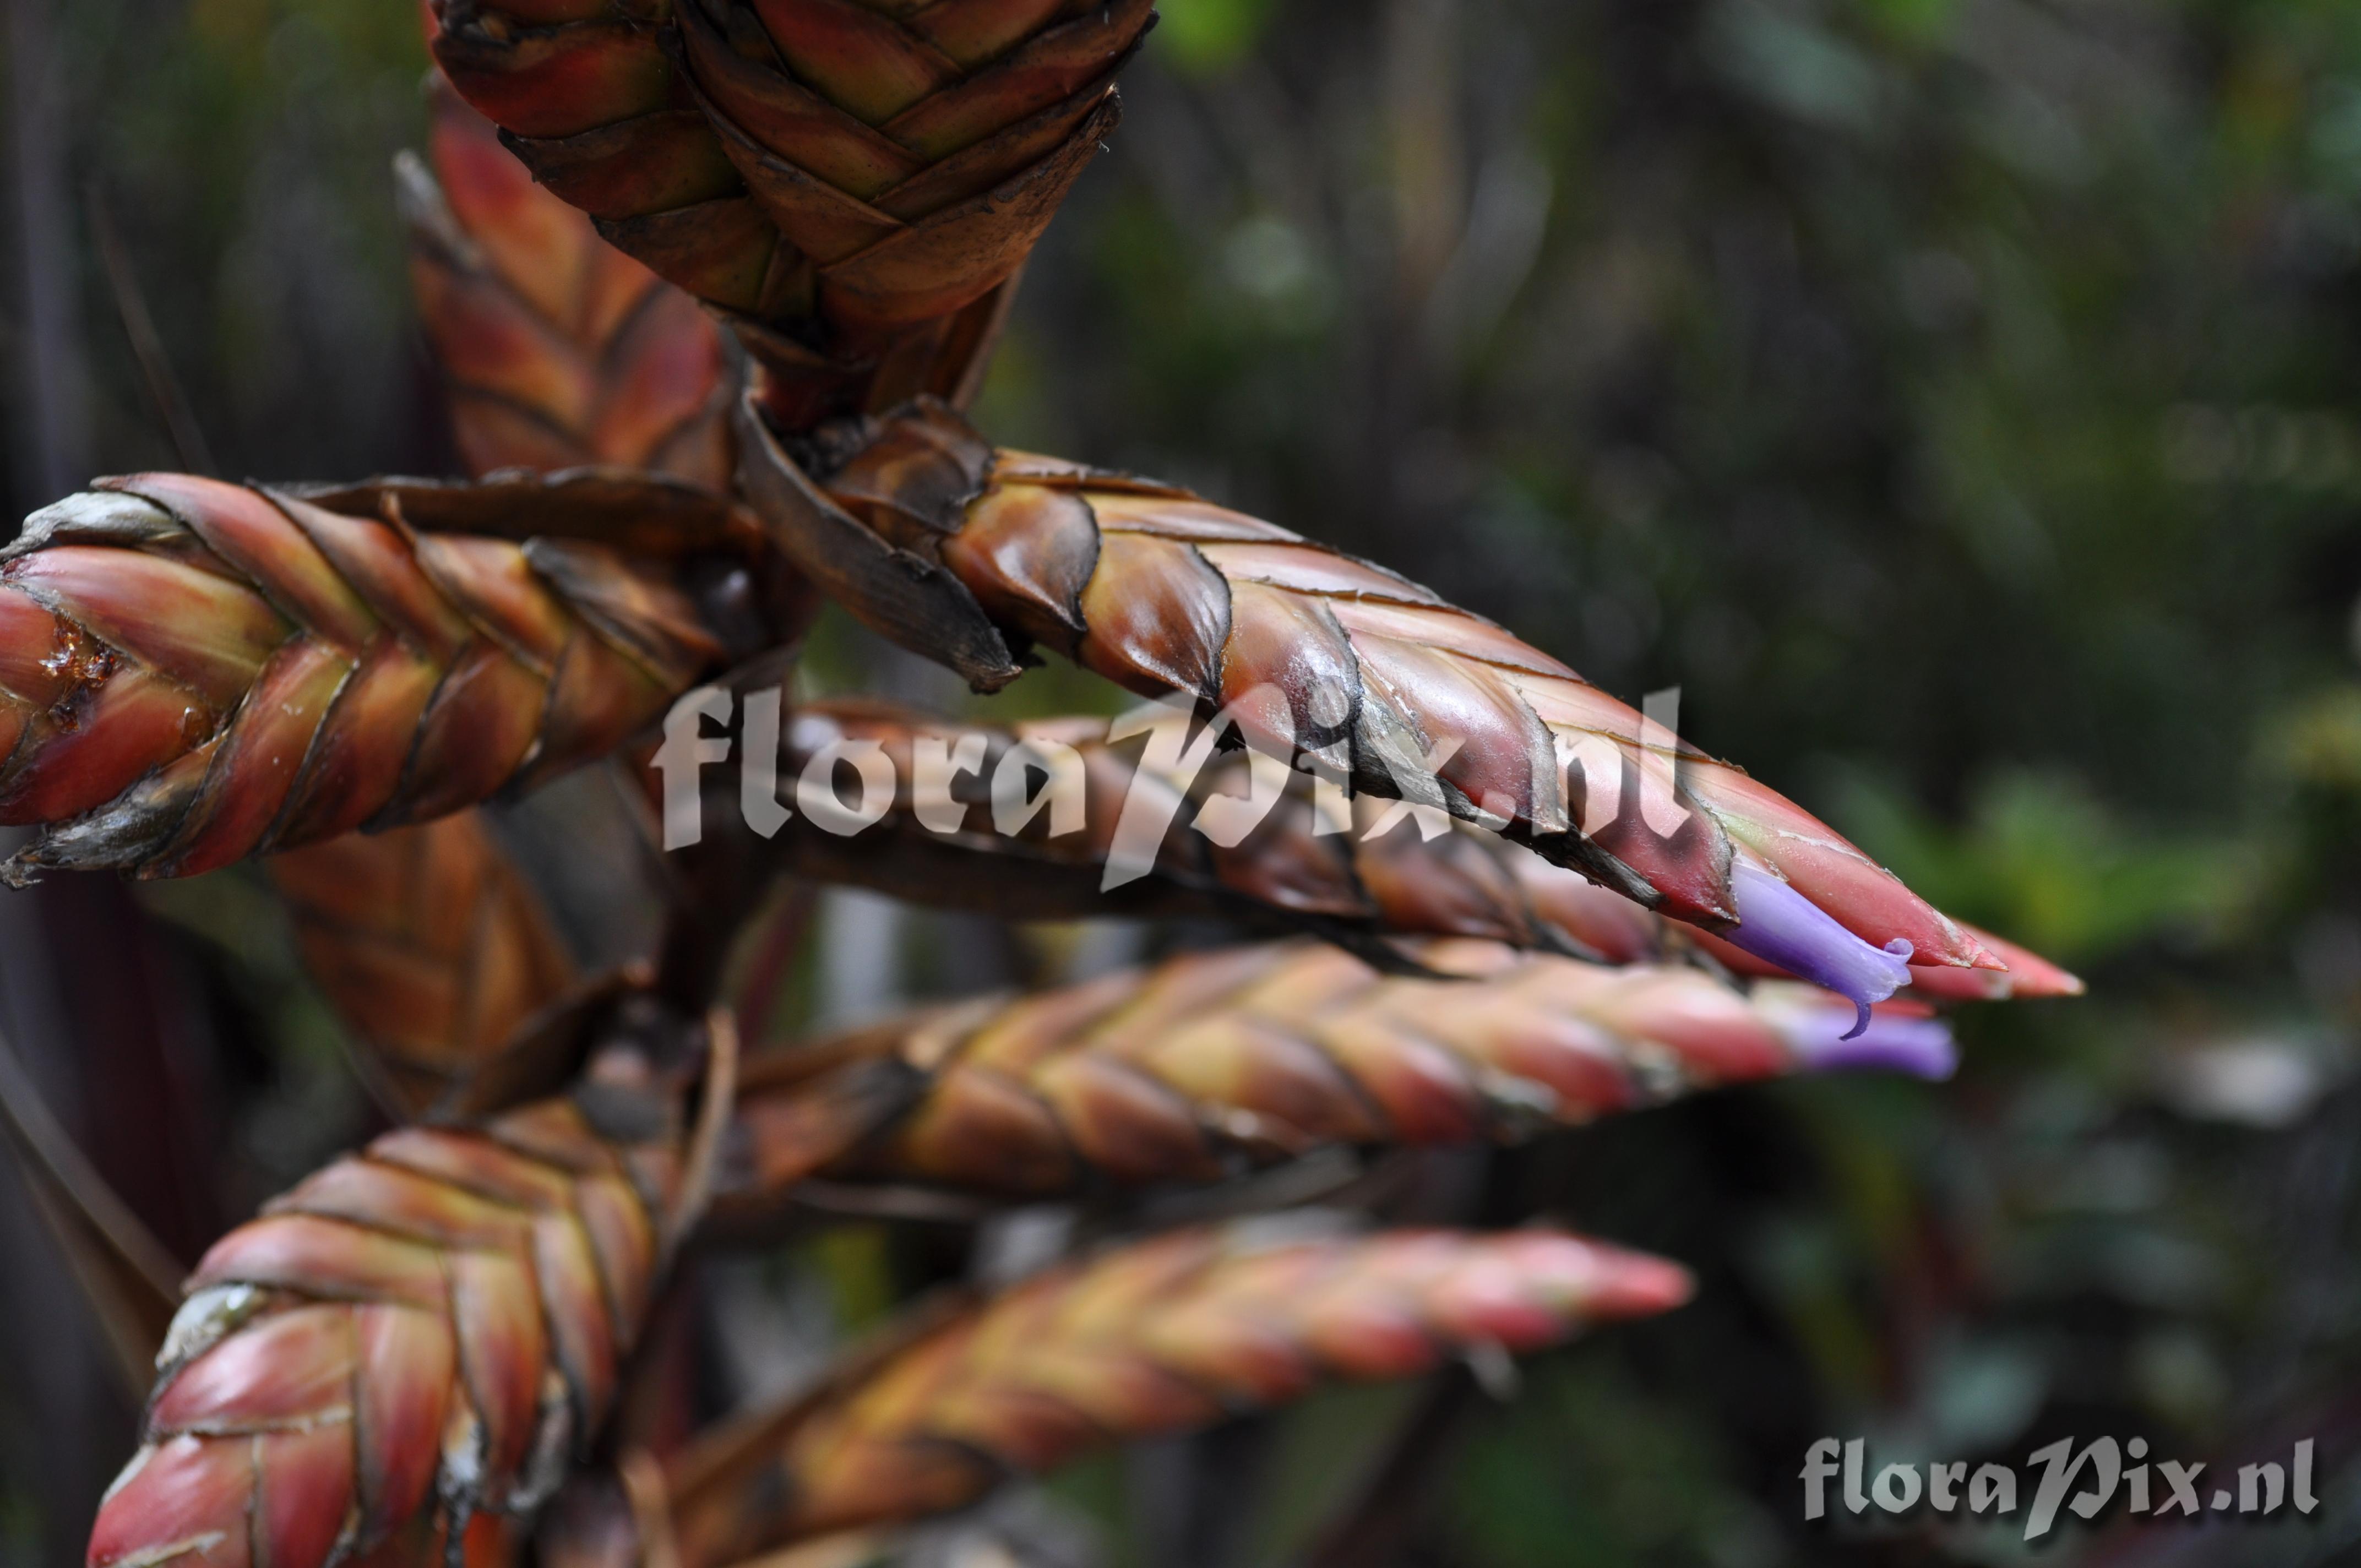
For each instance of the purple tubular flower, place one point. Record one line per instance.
(1919, 1047)
(1812, 1023)
(1780, 926)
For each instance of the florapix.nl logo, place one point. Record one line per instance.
(2084, 1479)
(850, 784)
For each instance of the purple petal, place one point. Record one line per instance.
(1919, 1047)
(1780, 926)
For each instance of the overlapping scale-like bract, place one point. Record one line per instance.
(1159, 1337)
(1216, 1063)
(430, 946)
(193, 671)
(418, 1336)
(855, 180)
(1354, 869)
(965, 554)
(559, 350)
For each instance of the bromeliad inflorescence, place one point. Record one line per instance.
(407, 1356)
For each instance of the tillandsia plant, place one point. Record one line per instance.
(1477, 900)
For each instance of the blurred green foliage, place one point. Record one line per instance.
(242, 147)
(1212, 33)
(2039, 856)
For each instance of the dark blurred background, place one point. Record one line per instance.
(1960, 399)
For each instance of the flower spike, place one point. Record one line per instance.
(855, 182)
(1214, 1064)
(558, 349)
(1158, 1337)
(965, 555)
(416, 1338)
(193, 672)
(1352, 876)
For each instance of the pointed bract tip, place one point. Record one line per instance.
(1598, 1280)
(2030, 974)
(1938, 984)
(1638, 1286)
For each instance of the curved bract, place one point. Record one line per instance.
(1162, 1336)
(193, 671)
(856, 181)
(966, 553)
(419, 1338)
(1213, 1064)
